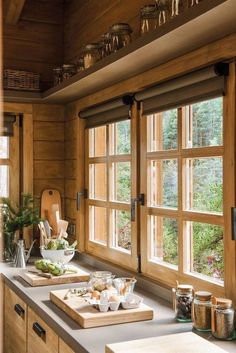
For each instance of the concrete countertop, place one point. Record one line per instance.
(93, 340)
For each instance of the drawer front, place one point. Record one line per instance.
(15, 322)
(64, 348)
(41, 338)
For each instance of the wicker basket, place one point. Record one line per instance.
(21, 80)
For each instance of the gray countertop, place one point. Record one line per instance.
(93, 340)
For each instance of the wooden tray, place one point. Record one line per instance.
(177, 343)
(35, 280)
(88, 316)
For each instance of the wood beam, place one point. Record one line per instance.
(13, 11)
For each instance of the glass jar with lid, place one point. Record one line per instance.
(163, 9)
(120, 35)
(201, 311)
(223, 319)
(68, 70)
(182, 301)
(91, 54)
(148, 18)
(101, 280)
(80, 64)
(57, 75)
(106, 44)
(194, 2)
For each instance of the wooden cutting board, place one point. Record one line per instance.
(187, 342)
(88, 316)
(35, 280)
(50, 202)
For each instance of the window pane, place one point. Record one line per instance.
(4, 147)
(98, 224)
(204, 123)
(97, 142)
(121, 182)
(163, 183)
(120, 138)
(97, 181)
(207, 249)
(121, 229)
(204, 184)
(4, 181)
(163, 235)
(162, 131)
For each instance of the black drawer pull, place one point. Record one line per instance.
(39, 330)
(19, 310)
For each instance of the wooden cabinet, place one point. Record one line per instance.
(41, 338)
(63, 347)
(15, 323)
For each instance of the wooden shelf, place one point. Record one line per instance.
(209, 21)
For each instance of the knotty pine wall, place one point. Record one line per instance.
(85, 21)
(35, 43)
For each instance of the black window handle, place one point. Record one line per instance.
(138, 200)
(19, 310)
(39, 330)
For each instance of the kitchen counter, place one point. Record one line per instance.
(93, 340)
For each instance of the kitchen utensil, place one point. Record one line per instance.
(40, 274)
(49, 198)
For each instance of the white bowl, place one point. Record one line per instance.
(63, 256)
(131, 301)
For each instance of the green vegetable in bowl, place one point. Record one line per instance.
(59, 244)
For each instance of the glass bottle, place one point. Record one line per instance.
(80, 65)
(183, 298)
(57, 75)
(68, 70)
(120, 35)
(148, 18)
(223, 319)
(201, 311)
(91, 54)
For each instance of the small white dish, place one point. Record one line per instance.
(131, 301)
(114, 306)
(103, 307)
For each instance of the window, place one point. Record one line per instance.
(183, 179)
(110, 165)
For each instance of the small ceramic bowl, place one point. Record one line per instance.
(131, 301)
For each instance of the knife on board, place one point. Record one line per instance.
(40, 274)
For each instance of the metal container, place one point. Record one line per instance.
(57, 75)
(148, 18)
(201, 311)
(222, 319)
(68, 70)
(182, 301)
(91, 54)
(120, 35)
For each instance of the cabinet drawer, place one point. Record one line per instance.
(64, 348)
(41, 338)
(15, 322)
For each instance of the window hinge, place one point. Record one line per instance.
(138, 200)
(139, 263)
(80, 194)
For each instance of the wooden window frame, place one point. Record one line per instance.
(108, 252)
(166, 275)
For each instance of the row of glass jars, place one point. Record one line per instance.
(207, 312)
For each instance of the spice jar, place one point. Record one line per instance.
(183, 297)
(148, 18)
(120, 36)
(91, 54)
(68, 70)
(162, 6)
(57, 75)
(201, 311)
(106, 44)
(80, 64)
(222, 319)
(101, 280)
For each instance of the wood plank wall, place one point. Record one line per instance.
(35, 43)
(85, 21)
(48, 149)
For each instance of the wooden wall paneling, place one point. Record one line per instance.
(70, 188)
(70, 169)
(70, 208)
(41, 184)
(48, 131)
(70, 149)
(49, 170)
(49, 150)
(14, 8)
(52, 112)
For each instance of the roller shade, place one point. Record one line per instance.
(7, 127)
(108, 112)
(191, 88)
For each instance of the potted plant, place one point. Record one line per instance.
(16, 218)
